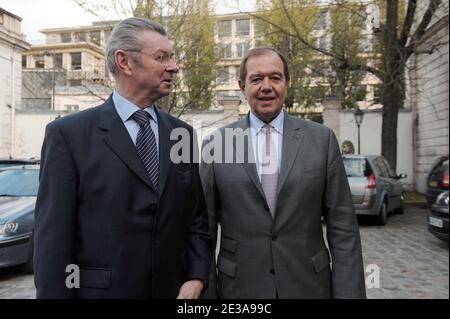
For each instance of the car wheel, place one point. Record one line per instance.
(382, 215)
(401, 209)
(28, 267)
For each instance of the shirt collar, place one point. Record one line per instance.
(126, 109)
(277, 123)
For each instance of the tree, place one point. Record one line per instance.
(190, 25)
(396, 37)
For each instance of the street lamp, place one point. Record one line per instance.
(358, 119)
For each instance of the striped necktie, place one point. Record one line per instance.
(146, 146)
(269, 170)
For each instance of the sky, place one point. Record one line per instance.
(42, 14)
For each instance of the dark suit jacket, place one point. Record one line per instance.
(285, 256)
(96, 208)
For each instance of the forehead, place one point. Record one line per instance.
(153, 42)
(267, 63)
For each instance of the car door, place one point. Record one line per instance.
(395, 189)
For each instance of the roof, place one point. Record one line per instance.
(10, 14)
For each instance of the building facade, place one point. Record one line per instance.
(428, 95)
(12, 44)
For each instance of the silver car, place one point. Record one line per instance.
(18, 190)
(376, 188)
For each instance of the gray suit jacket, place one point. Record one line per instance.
(285, 256)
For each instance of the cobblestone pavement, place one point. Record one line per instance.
(412, 262)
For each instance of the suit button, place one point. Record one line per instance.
(153, 208)
(272, 271)
(156, 242)
(274, 237)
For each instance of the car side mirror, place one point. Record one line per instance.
(401, 176)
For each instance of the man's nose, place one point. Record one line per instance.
(172, 67)
(266, 87)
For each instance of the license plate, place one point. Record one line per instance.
(433, 184)
(435, 222)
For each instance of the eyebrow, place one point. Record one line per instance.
(265, 74)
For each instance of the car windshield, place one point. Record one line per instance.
(355, 167)
(19, 182)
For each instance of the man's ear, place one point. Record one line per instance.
(241, 85)
(123, 61)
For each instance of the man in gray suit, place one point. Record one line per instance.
(269, 206)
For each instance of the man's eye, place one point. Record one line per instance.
(255, 80)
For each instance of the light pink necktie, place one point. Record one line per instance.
(269, 170)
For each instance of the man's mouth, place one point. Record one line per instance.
(266, 98)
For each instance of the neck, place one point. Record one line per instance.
(138, 97)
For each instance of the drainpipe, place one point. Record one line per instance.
(13, 107)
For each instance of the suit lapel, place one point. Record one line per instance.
(118, 139)
(250, 168)
(165, 144)
(292, 142)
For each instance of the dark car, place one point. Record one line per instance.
(438, 217)
(6, 162)
(376, 188)
(18, 191)
(437, 181)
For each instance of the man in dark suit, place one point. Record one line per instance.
(270, 199)
(110, 200)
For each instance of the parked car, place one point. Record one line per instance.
(437, 181)
(438, 217)
(6, 162)
(376, 188)
(18, 191)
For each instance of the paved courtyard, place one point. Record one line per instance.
(412, 262)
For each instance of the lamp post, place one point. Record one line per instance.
(358, 119)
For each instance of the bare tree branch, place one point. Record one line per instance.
(432, 7)
(409, 19)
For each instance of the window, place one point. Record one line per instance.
(227, 52)
(72, 107)
(95, 37)
(364, 44)
(80, 37)
(391, 172)
(225, 28)
(243, 27)
(356, 167)
(320, 70)
(377, 94)
(57, 61)
(321, 22)
(39, 61)
(241, 49)
(75, 83)
(379, 163)
(24, 61)
(322, 42)
(66, 37)
(223, 77)
(76, 60)
(359, 93)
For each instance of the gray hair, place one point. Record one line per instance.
(126, 36)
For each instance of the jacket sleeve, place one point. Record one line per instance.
(342, 229)
(197, 250)
(55, 217)
(208, 183)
